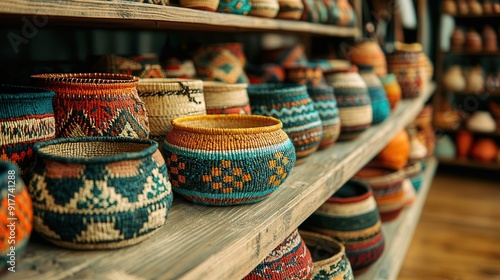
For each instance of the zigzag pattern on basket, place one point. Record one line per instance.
(107, 122)
(103, 202)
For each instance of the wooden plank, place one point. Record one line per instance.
(201, 242)
(122, 14)
(470, 163)
(398, 234)
(469, 53)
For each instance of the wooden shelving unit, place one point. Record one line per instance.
(119, 14)
(469, 53)
(200, 242)
(398, 233)
(469, 163)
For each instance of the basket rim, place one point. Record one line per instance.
(86, 78)
(23, 92)
(148, 151)
(273, 124)
(163, 81)
(325, 241)
(366, 193)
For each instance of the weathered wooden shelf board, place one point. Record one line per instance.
(200, 242)
(398, 234)
(124, 14)
(470, 163)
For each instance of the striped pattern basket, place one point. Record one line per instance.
(289, 260)
(16, 225)
(387, 189)
(265, 8)
(326, 104)
(167, 99)
(227, 159)
(96, 104)
(292, 105)
(330, 259)
(223, 98)
(351, 217)
(26, 117)
(238, 7)
(404, 63)
(99, 192)
(353, 101)
(381, 108)
(290, 9)
(219, 63)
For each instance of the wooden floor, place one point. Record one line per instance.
(458, 236)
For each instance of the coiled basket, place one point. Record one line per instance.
(99, 192)
(227, 159)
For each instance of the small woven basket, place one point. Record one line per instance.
(227, 159)
(223, 98)
(167, 99)
(99, 192)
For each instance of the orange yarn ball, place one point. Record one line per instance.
(396, 153)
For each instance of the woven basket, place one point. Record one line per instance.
(167, 99)
(304, 75)
(205, 5)
(330, 259)
(227, 159)
(17, 223)
(222, 98)
(311, 13)
(265, 8)
(404, 63)
(381, 109)
(414, 172)
(26, 117)
(99, 192)
(147, 66)
(219, 63)
(292, 105)
(351, 217)
(290, 9)
(289, 260)
(353, 101)
(387, 189)
(238, 7)
(96, 104)
(392, 89)
(369, 52)
(326, 104)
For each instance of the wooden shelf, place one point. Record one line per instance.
(479, 134)
(470, 163)
(398, 233)
(106, 14)
(468, 53)
(201, 242)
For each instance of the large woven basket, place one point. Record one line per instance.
(381, 107)
(26, 117)
(326, 105)
(99, 192)
(224, 98)
(167, 99)
(96, 104)
(227, 159)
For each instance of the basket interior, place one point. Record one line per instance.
(88, 150)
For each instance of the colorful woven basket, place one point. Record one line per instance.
(167, 99)
(353, 101)
(183, 69)
(311, 13)
(265, 73)
(285, 56)
(404, 63)
(147, 66)
(322, 11)
(304, 75)
(238, 7)
(292, 105)
(381, 109)
(414, 172)
(387, 189)
(99, 192)
(329, 258)
(326, 104)
(222, 98)
(333, 11)
(265, 8)
(392, 89)
(16, 216)
(289, 260)
(26, 117)
(347, 15)
(96, 104)
(369, 52)
(290, 9)
(351, 217)
(204, 5)
(218, 63)
(227, 159)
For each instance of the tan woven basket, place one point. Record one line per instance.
(220, 95)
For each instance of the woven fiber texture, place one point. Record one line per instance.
(265, 73)
(238, 7)
(404, 63)
(351, 217)
(99, 192)
(265, 8)
(205, 5)
(387, 189)
(223, 98)
(140, 66)
(353, 101)
(369, 52)
(167, 99)
(381, 109)
(26, 117)
(326, 104)
(219, 63)
(291, 105)
(285, 56)
(227, 159)
(16, 215)
(311, 13)
(392, 89)
(290, 9)
(96, 104)
(289, 261)
(304, 75)
(322, 11)
(330, 260)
